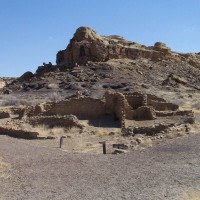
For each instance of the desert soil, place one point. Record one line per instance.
(168, 171)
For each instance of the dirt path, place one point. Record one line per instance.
(166, 171)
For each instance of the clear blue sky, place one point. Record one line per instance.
(32, 31)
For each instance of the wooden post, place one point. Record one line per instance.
(104, 146)
(61, 141)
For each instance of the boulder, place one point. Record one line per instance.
(45, 68)
(6, 91)
(26, 76)
(119, 151)
(159, 46)
(4, 114)
(173, 80)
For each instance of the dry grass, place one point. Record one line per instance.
(2, 84)
(10, 100)
(53, 86)
(145, 142)
(185, 100)
(46, 131)
(2, 165)
(101, 133)
(192, 196)
(3, 169)
(55, 97)
(175, 134)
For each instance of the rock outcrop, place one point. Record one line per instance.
(26, 76)
(88, 45)
(93, 61)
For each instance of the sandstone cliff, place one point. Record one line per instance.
(93, 64)
(88, 45)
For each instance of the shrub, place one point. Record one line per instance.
(9, 100)
(52, 86)
(55, 97)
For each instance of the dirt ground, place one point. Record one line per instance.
(165, 168)
(169, 170)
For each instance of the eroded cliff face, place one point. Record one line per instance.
(87, 45)
(111, 62)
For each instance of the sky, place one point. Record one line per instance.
(33, 31)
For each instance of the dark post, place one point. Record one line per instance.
(61, 141)
(104, 146)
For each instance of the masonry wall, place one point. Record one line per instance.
(135, 101)
(160, 104)
(81, 107)
(111, 101)
(130, 106)
(114, 104)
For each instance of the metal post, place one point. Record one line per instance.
(61, 141)
(104, 146)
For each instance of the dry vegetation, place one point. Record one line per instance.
(194, 195)
(29, 100)
(10, 100)
(55, 97)
(46, 131)
(4, 167)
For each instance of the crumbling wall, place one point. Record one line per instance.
(18, 111)
(128, 111)
(115, 105)
(129, 106)
(39, 109)
(135, 100)
(120, 109)
(4, 114)
(17, 133)
(160, 104)
(144, 113)
(67, 121)
(81, 107)
(134, 106)
(110, 103)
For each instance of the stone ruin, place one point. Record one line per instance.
(121, 107)
(124, 108)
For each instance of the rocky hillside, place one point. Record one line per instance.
(149, 90)
(92, 64)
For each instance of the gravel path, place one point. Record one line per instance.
(165, 171)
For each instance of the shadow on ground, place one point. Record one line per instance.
(106, 122)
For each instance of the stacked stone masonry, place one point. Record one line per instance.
(133, 106)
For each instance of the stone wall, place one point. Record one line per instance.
(4, 114)
(160, 104)
(115, 105)
(134, 106)
(81, 107)
(144, 113)
(12, 132)
(135, 101)
(67, 121)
